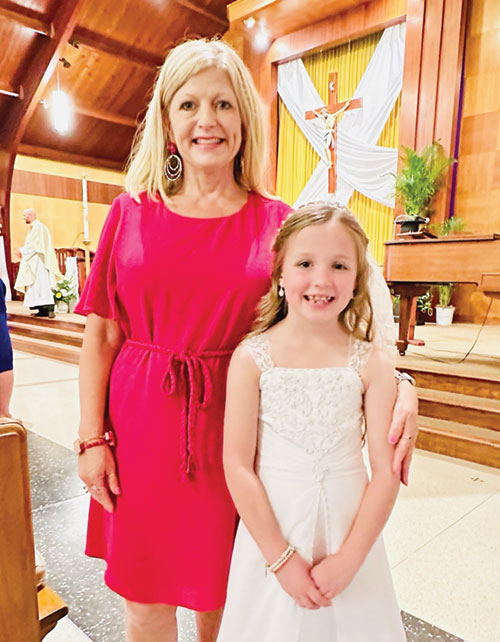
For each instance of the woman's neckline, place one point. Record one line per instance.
(211, 218)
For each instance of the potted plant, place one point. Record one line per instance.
(418, 181)
(424, 307)
(444, 311)
(65, 295)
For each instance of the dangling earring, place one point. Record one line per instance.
(173, 164)
(281, 291)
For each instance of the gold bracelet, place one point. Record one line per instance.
(282, 559)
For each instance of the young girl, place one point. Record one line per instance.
(303, 390)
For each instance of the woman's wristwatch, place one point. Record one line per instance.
(404, 376)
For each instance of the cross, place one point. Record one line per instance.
(329, 114)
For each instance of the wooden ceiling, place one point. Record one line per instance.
(113, 50)
(279, 17)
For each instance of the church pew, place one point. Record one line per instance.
(27, 612)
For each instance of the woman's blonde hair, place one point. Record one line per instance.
(357, 317)
(145, 170)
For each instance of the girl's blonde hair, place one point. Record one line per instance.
(357, 316)
(146, 164)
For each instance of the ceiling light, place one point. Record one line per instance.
(249, 22)
(61, 111)
(261, 40)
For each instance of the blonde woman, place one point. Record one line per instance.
(183, 259)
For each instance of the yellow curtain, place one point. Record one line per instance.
(297, 159)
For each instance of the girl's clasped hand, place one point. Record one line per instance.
(314, 586)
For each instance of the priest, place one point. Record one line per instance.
(38, 270)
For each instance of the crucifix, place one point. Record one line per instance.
(329, 114)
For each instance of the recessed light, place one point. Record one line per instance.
(249, 22)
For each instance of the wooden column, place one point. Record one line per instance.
(432, 80)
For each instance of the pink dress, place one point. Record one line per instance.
(184, 292)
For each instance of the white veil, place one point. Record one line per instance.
(380, 297)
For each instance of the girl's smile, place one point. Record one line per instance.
(319, 271)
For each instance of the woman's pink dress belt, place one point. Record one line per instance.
(192, 372)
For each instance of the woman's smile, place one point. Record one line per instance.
(204, 121)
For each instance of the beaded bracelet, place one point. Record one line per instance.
(282, 559)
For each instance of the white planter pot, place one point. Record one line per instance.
(62, 306)
(444, 316)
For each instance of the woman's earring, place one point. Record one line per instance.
(281, 291)
(173, 164)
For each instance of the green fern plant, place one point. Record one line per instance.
(421, 177)
(449, 226)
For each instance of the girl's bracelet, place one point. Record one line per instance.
(282, 559)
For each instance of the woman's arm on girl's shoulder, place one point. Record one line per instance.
(335, 572)
(248, 493)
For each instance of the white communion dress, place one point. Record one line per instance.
(310, 462)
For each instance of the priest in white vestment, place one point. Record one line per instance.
(38, 270)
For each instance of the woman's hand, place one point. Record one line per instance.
(294, 577)
(333, 574)
(404, 429)
(97, 470)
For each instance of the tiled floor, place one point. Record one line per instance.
(442, 538)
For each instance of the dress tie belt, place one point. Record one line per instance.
(190, 371)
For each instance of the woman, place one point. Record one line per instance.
(6, 358)
(183, 258)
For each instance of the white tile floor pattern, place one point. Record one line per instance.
(442, 538)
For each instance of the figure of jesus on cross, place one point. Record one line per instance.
(329, 114)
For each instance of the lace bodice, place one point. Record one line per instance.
(315, 408)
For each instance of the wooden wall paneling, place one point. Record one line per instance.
(482, 93)
(476, 133)
(475, 173)
(429, 62)
(39, 184)
(411, 74)
(46, 185)
(446, 125)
